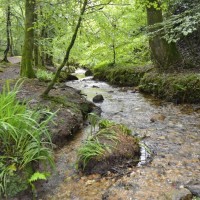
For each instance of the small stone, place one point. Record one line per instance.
(162, 138)
(90, 182)
(182, 194)
(98, 98)
(157, 117)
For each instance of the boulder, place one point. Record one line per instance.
(88, 73)
(98, 98)
(67, 77)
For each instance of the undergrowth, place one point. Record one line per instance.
(24, 140)
(44, 75)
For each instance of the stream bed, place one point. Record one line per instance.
(171, 132)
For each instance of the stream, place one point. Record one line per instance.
(171, 132)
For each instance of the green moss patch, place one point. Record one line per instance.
(120, 75)
(178, 88)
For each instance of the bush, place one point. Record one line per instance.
(24, 140)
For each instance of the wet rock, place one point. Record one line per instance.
(88, 73)
(71, 78)
(94, 86)
(98, 98)
(67, 77)
(194, 189)
(181, 194)
(157, 117)
(123, 190)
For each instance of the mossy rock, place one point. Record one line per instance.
(108, 150)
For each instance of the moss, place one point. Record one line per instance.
(178, 88)
(64, 102)
(120, 75)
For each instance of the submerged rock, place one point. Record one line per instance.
(157, 117)
(98, 98)
(182, 194)
(194, 189)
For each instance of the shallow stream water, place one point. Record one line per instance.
(170, 131)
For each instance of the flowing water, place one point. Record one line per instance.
(171, 132)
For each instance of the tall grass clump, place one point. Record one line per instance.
(24, 140)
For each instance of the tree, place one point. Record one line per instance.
(164, 54)
(27, 53)
(71, 44)
(8, 33)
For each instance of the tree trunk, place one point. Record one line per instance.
(8, 26)
(27, 53)
(114, 53)
(163, 54)
(66, 58)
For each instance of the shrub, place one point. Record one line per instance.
(24, 139)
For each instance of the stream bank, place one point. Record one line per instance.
(181, 86)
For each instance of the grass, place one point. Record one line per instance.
(44, 75)
(24, 138)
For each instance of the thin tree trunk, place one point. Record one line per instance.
(114, 53)
(66, 58)
(8, 24)
(11, 42)
(27, 54)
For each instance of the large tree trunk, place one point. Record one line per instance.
(163, 54)
(27, 53)
(66, 58)
(8, 27)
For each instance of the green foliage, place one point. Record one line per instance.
(44, 75)
(93, 119)
(24, 138)
(35, 177)
(105, 123)
(91, 148)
